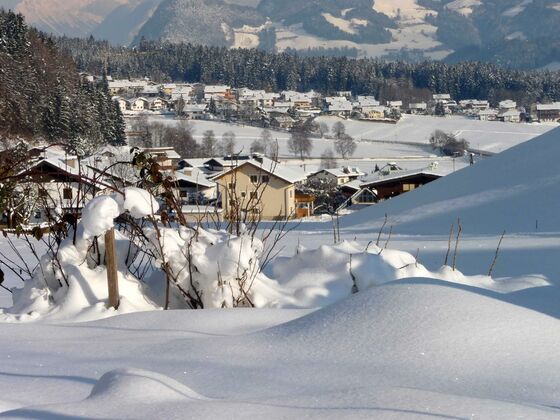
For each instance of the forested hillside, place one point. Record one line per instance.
(42, 96)
(260, 70)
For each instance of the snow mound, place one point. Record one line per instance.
(142, 386)
(99, 214)
(138, 202)
(516, 191)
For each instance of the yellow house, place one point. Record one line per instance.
(258, 187)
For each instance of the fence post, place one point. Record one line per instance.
(112, 272)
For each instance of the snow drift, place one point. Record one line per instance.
(516, 191)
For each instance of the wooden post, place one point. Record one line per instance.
(112, 272)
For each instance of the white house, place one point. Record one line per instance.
(417, 107)
(140, 104)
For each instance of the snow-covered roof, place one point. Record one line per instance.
(549, 107)
(381, 176)
(196, 176)
(343, 172)
(287, 173)
(211, 89)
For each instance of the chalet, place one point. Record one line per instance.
(417, 107)
(168, 88)
(548, 112)
(259, 188)
(357, 196)
(376, 113)
(391, 180)
(140, 104)
(124, 104)
(339, 176)
(217, 92)
(283, 121)
(507, 105)
(150, 91)
(441, 97)
(194, 187)
(474, 104)
(489, 114)
(337, 105)
(195, 111)
(394, 104)
(158, 104)
(61, 186)
(181, 92)
(167, 157)
(511, 115)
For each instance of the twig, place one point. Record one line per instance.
(491, 269)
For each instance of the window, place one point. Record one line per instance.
(67, 193)
(183, 193)
(37, 214)
(265, 179)
(408, 187)
(291, 193)
(254, 195)
(231, 185)
(255, 179)
(243, 194)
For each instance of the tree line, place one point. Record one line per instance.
(42, 96)
(164, 62)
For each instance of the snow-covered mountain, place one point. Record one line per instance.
(115, 20)
(518, 33)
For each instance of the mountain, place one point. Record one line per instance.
(207, 22)
(514, 33)
(123, 23)
(114, 20)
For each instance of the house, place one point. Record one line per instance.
(258, 188)
(357, 196)
(62, 186)
(394, 104)
(124, 104)
(150, 91)
(217, 92)
(511, 115)
(158, 104)
(474, 104)
(548, 112)
(195, 111)
(193, 186)
(507, 105)
(337, 105)
(181, 92)
(167, 157)
(417, 107)
(168, 88)
(489, 114)
(339, 176)
(376, 113)
(283, 121)
(140, 104)
(391, 180)
(441, 97)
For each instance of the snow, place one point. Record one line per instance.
(403, 350)
(416, 340)
(98, 215)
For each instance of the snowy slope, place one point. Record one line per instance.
(512, 191)
(405, 350)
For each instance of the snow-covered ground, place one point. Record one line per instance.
(409, 137)
(413, 342)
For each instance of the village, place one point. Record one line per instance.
(282, 109)
(254, 184)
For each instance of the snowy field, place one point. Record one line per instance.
(417, 341)
(409, 137)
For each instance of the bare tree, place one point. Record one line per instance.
(227, 144)
(345, 146)
(323, 129)
(328, 160)
(338, 130)
(299, 143)
(209, 144)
